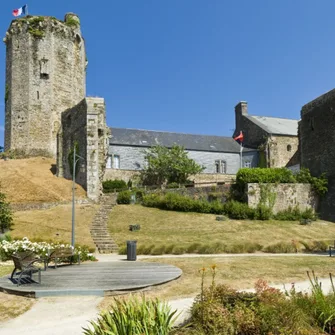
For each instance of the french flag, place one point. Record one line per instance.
(20, 11)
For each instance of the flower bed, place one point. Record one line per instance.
(8, 248)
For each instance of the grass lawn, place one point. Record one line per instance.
(237, 272)
(45, 224)
(159, 227)
(12, 306)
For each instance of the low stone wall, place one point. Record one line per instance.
(212, 179)
(44, 205)
(126, 175)
(287, 195)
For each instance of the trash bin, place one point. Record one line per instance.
(131, 250)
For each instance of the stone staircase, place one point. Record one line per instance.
(99, 232)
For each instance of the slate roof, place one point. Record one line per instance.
(276, 125)
(148, 138)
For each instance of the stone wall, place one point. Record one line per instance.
(287, 195)
(200, 180)
(281, 150)
(85, 124)
(317, 152)
(45, 75)
(126, 175)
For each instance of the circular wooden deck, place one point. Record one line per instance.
(99, 279)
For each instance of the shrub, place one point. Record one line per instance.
(315, 246)
(124, 197)
(259, 175)
(113, 185)
(221, 310)
(169, 248)
(151, 200)
(239, 210)
(178, 250)
(320, 185)
(280, 248)
(172, 185)
(294, 214)
(139, 194)
(263, 212)
(6, 214)
(134, 316)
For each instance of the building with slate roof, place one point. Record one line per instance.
(218, 154)
(276, 138)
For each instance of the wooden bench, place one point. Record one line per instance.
(24, 261)
(61, 253)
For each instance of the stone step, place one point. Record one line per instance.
(105, 244)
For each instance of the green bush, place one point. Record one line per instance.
(134, 317)
(294, 214)
(263, 212)
(172, 185)
(260, 175)
(239, 210)
(320, 185)
(139, 194)
(114, 185)
(124, 197)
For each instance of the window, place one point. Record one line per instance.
(109, 162)
(289, 147)
(247, 164)
(116, 162)
(311, 123)
(44, 68)
(220, 166)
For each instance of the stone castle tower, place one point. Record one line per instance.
(45, 75)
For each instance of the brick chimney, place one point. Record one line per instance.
(240, 109)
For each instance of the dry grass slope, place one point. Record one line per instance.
(32, 181)
(160, 227)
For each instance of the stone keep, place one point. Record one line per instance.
(45, 75)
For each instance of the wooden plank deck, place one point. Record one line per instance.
(94, 279)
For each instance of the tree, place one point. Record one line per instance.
(166, 165)
(1, 148)
(6, 214)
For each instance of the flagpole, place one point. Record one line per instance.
(241, 149)
(27, 10)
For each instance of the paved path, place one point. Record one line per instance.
(67, 315)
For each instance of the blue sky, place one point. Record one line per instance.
(182, 65)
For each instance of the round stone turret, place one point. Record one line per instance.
(45, 75)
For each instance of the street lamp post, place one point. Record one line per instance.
(75, 161)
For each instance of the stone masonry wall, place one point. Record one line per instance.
(287, 195)
(85, 124)
(281, 150)
(45, 75)
(74, 129)
(316, 146)
(97, 146)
